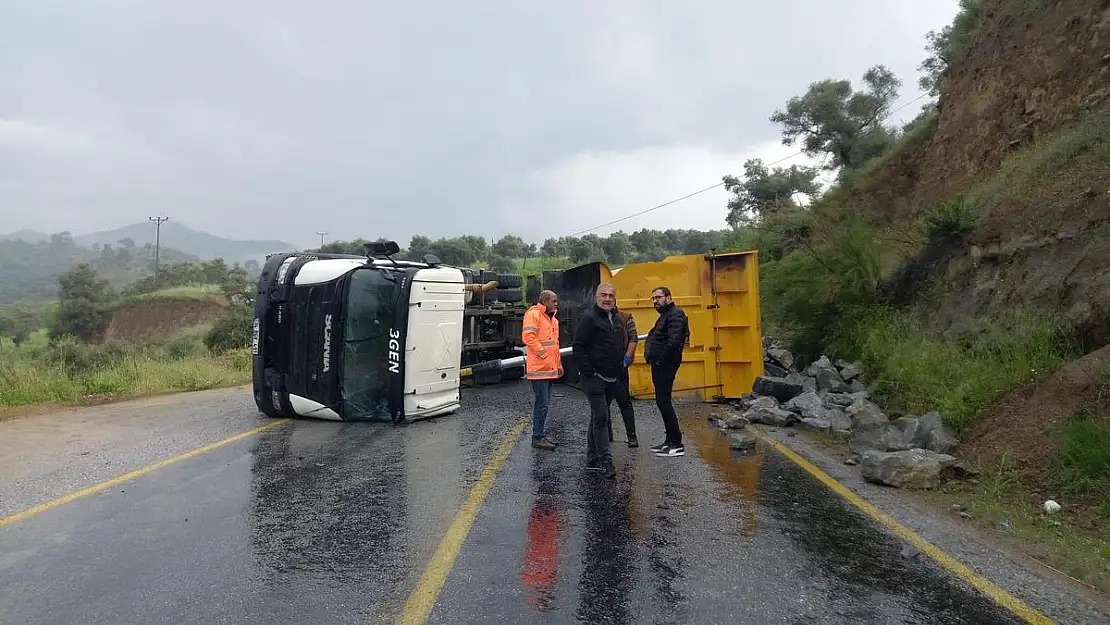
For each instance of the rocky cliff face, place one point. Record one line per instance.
(1035, 69)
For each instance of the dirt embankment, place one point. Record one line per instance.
(1020, 433)
(159, 318)
(1034, 69)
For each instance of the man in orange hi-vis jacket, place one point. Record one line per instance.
(542, 362)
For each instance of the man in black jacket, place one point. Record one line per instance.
(599, 353)
(663, 351)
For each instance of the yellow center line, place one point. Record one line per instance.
(995, 592)
(423, 598)
(30, 512)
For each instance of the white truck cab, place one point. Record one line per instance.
(349, 337)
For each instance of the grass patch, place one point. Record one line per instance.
(958, 375)
(954, 217)
(67, 372)
(1083, 466)
(1073, 154)
(194, 291)
(1002, 505)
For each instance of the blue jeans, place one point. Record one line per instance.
(542, 390)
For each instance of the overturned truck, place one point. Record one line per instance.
(350, 337)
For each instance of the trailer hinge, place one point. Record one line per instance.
(712, 306)
(714, 348)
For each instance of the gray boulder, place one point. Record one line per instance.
(770, 415)
(742, 443)
(781, 357)
(848, 371)
(872, 430)
(780, 388)
(807, 383)
(736, 422)
(828, 378)
(839, 420)
(819, 425)
(885, 437)
(912, 468)
(940, 437)
(808, 404)
(842, 400)
(864, 413)
(774, 371)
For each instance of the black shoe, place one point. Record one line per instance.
(632, 442)
(610, 471)
(659, 447)
(594, 466)
(671, 451)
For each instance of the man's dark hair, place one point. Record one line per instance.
(666, 291)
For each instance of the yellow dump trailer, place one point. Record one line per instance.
(720, 295)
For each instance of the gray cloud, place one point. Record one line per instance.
(277, 119)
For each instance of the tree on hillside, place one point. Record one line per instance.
(510, 246)
(834, 120)
(83, 299)
(18, 322)
(945, 45)
(764, 191)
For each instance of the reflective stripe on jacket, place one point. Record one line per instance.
(541, 332)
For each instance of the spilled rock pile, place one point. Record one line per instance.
(908, 452)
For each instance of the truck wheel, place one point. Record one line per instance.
(509, 281)
(509, 295)
(488, 276)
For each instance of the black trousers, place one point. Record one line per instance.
(601, 394)
(624, 402)
(662, 377)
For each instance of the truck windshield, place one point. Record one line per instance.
(371, 304)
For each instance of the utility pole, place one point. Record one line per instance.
(157, 239)
(321, 233)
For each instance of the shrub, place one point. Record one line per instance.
(954, 217)
(961, 374)
(231, 331)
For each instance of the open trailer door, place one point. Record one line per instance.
(720, 296)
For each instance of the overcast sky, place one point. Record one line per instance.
(275, 119)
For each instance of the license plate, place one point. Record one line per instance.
(254, 337)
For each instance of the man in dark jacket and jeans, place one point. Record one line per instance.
(599, 353)
(663, 351)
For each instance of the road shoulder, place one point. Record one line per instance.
(1056, 595)
(54, 454)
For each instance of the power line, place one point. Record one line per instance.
(676, 200)
(719, 184)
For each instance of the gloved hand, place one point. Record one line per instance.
(627, 360)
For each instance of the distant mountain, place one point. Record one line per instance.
(179, 236)
(30, 236)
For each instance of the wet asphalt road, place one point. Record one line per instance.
(315, 522)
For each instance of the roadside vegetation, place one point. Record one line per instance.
(848, 272)
(54, 354)
(510, 254)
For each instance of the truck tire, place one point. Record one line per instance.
(509, 281)
(488, 276)
(510, 296)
